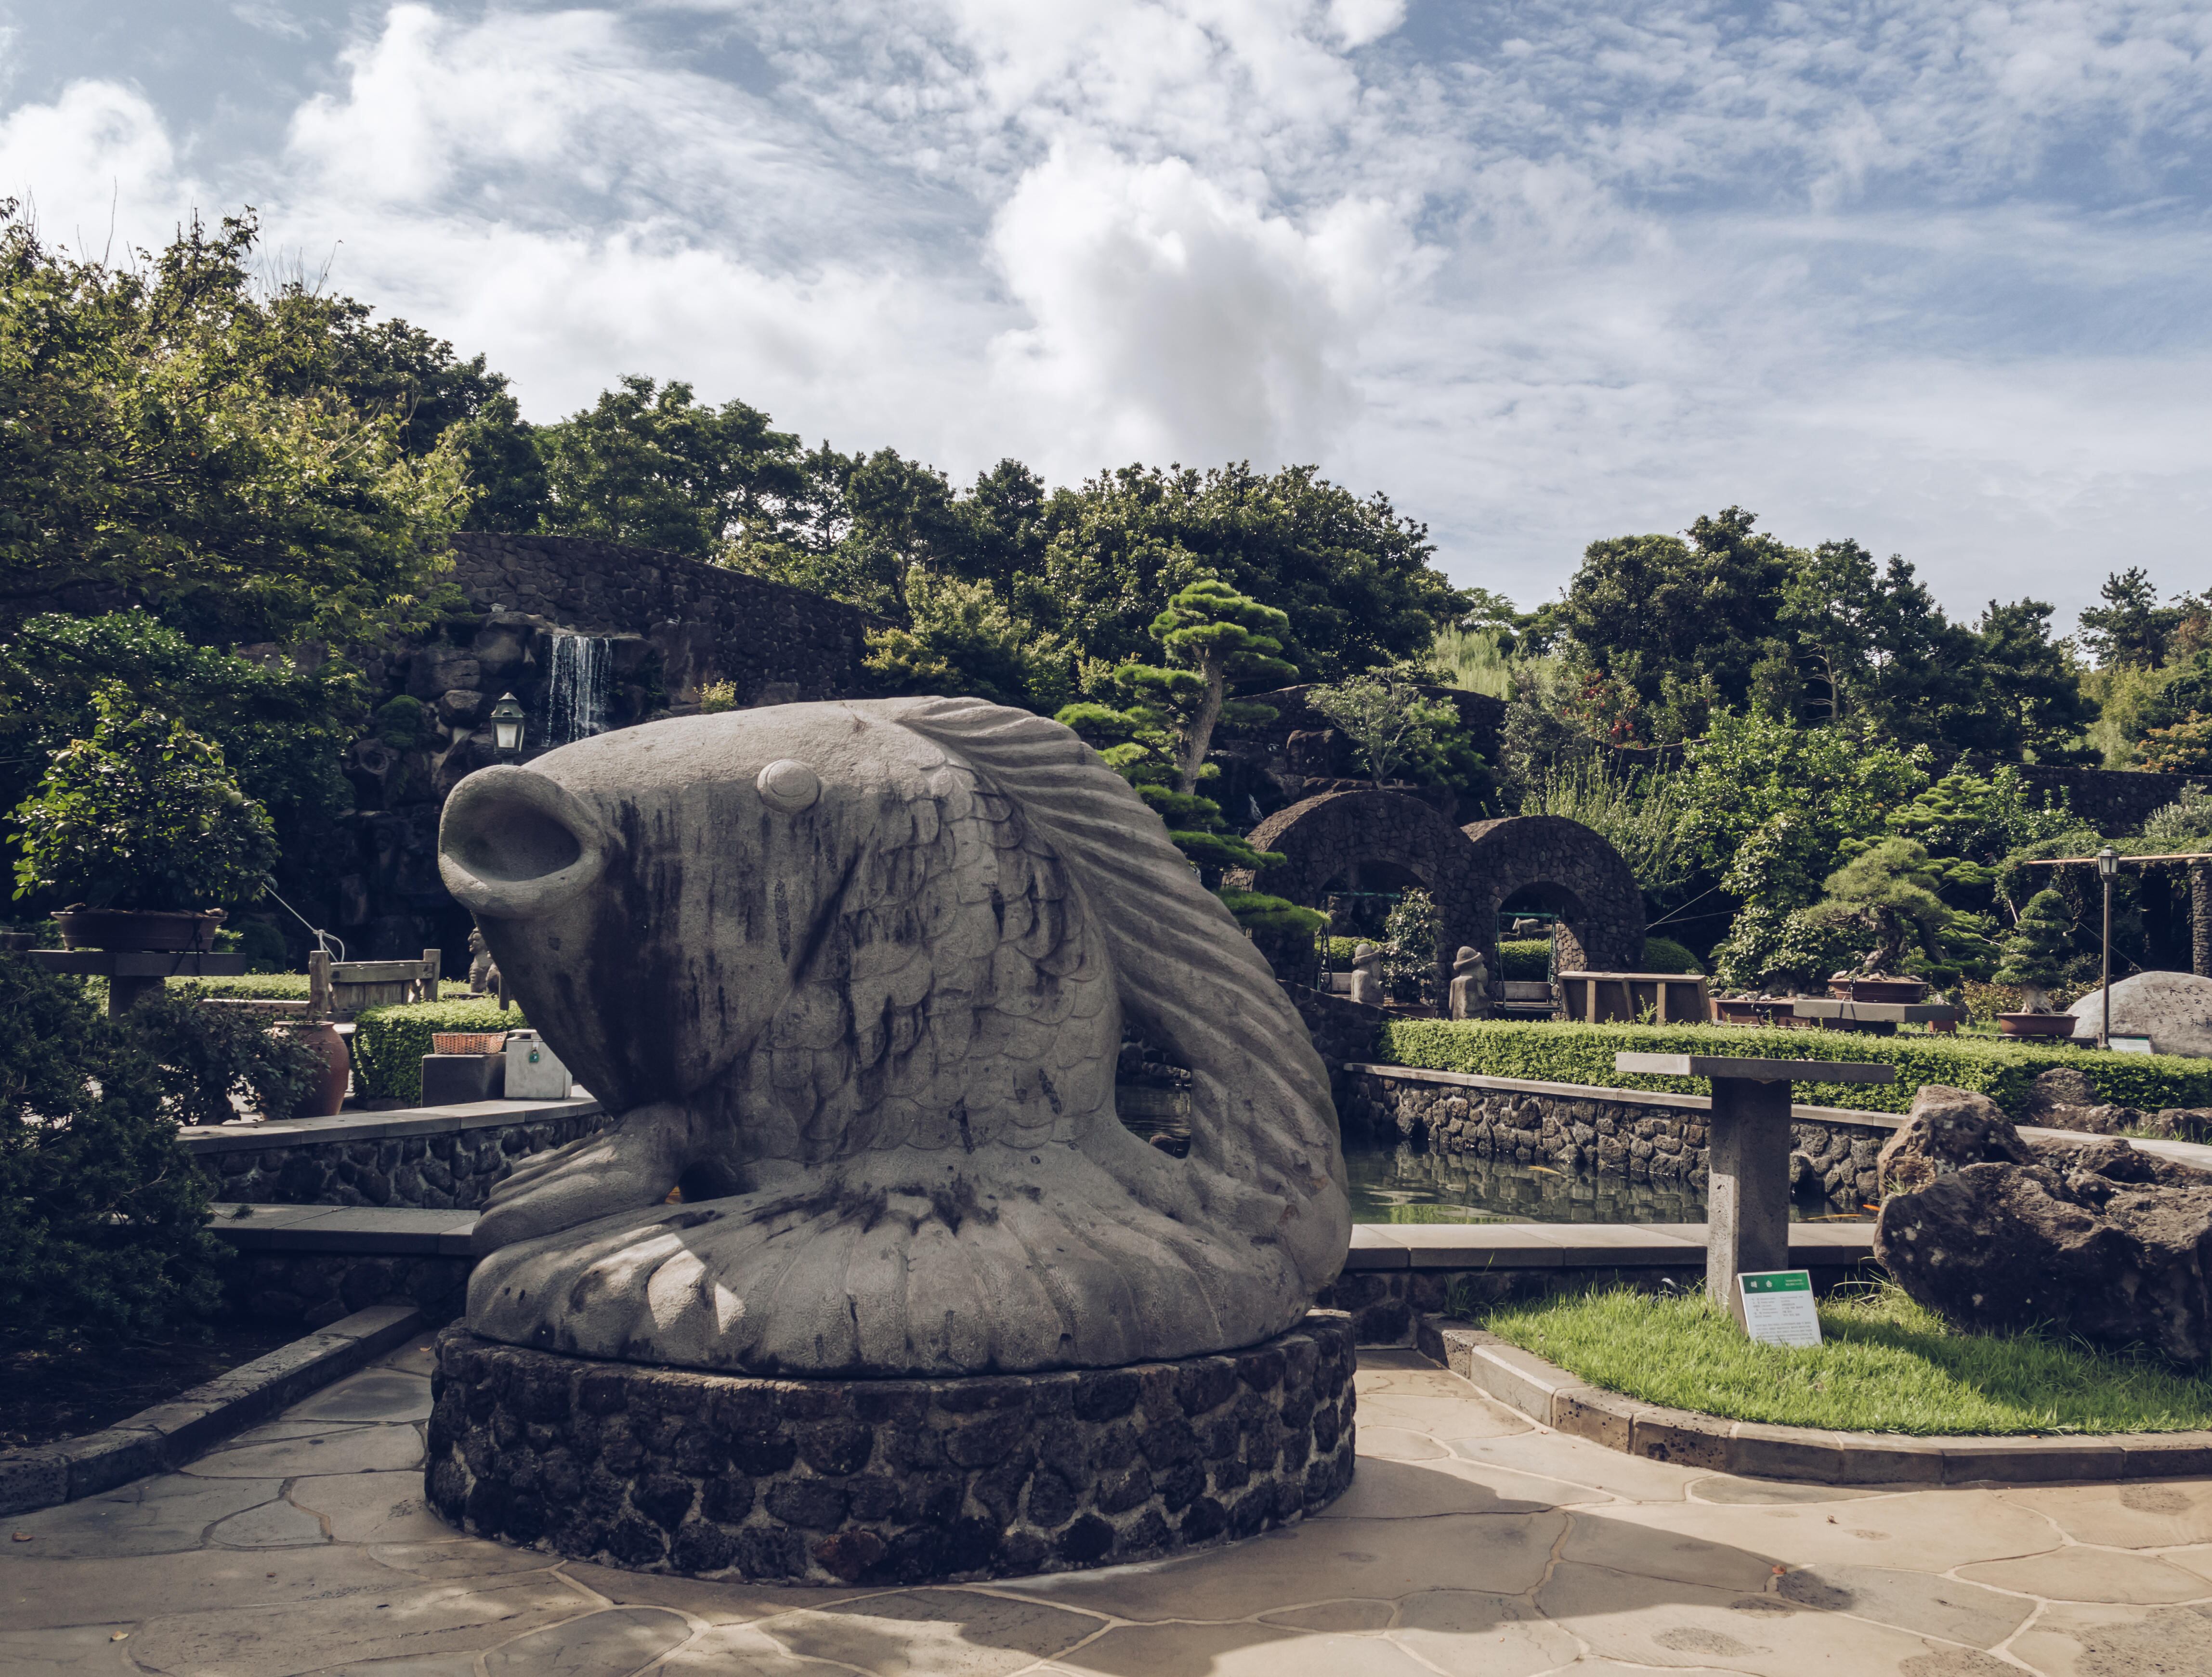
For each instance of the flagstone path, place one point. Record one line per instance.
(1473, 1544)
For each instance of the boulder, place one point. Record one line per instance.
(1947, 1130)
(2098, 1241)
(2056, 1089)
(2174, 1009)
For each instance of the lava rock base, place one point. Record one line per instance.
(664, 1469)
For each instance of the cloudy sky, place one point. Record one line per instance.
(1931, 273)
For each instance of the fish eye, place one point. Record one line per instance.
(788, 785)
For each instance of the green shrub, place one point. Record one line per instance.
(1524, 960)
(284, 986)
(389, 1043)
(103, 1218)
(209, 1054)
(1665, 954)
(401, 723)
(1341, 951)
(2002, 1070)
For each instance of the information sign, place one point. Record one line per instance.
(1778, 1307)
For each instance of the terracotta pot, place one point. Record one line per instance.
(148, 931)
(2037, 1025)
(325, 1098)
(1878, 989)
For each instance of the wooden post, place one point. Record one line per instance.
(318, 984)
(1747, 1185)
(433, 967)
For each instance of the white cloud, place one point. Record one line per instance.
(1932, 274)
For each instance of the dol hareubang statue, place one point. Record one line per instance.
(854, 974)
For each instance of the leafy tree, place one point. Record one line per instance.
(1888, 893)
(177, 439)
(1390, 723)
(2036, 953)
(2032, 702)
(963, 639)
(143, 815)
(103, 1216)
(2185, 691)
(1641, 813)
(647, 464)
(2131, 626)
(2185, 748)
(1672, 628)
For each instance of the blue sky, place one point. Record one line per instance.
(1934, 275)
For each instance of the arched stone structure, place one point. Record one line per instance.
(1331, 836)
(1471, 872)
(1583, 879)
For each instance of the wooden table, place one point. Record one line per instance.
(131, 975)
(1748, 1153)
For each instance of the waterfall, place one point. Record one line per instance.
(576, 696)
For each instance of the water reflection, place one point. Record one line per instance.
(1406, 1184)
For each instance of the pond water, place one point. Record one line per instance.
(1406, 1184)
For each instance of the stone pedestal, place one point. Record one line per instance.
(664, 1469)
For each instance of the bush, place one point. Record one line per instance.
(389, 1043)
(1665, 954)
(2002, 1070)
(1524, 960)
(103, 1216)
(143, 815)
(209, 1054)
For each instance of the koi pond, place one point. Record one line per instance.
(1405, 1183)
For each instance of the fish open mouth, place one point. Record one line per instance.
(513, 844)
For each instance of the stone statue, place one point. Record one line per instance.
(1367, 974)
(1470, 985)
(855, 976)
(483, 972)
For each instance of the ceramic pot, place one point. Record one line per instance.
(325, 1097)
(2037, 1025)
(136, 930)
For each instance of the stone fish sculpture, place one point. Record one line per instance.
(853, 975)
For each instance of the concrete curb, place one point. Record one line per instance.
(1567, 1404)
(171, 1434)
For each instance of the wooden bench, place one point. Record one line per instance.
(341, 989)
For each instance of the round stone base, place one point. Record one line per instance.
(888, 1482)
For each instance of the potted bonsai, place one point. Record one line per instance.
(2034, 961)
(144, 824)
(1887, 891)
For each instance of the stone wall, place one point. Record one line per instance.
(707, 623)
(314, 1289)
(1343, 1031)
(883, 1482)
(429, 1164)
(1643, 1138)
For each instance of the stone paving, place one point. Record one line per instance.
(1473, 1542)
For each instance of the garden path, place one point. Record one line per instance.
(1473, 1542)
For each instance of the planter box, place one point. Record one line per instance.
(455, 1079)
(139, 930)
(2037, 1025)
(1877, 989)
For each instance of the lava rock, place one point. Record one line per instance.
(1947, 1130)
(2098, 1241)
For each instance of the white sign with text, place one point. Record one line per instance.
(1778, 1307)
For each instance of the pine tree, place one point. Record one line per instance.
(2035, 954)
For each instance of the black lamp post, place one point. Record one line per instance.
(506, 727)
(2108, 869)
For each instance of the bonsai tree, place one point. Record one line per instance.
(1888, 891)
(2035, 954)
(143, 815)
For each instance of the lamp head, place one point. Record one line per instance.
(2108, 862)
(506, 726)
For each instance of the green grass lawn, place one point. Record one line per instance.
(1888, 1365)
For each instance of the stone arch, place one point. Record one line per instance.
(1584, 877)
(1325, 837)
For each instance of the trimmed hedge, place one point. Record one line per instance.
(1524, 960)
(1554, 1053)
(1665, 954)
(389, 1043)
(284, 986)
